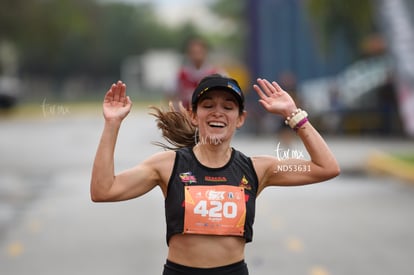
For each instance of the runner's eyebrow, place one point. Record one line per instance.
(232, 99)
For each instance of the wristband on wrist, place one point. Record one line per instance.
(298, 118)
(300, 124)
(293, 114)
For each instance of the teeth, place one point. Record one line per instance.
(216, 124)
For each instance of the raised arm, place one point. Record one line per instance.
(320, 167)
(105, 185)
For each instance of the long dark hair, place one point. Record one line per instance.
(176, 127)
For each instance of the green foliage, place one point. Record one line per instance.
(235, 11)
(354, 19)
(408, 158)
(74, 37)
(69, 37)
(231, 9)
(53, 35)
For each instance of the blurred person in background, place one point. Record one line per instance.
(194, 68)
(209, 187)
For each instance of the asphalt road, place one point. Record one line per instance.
(354, 224)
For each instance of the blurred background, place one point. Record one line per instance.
(348, 63)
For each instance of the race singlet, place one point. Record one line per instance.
(214, 210)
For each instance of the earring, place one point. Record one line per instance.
(195, 136)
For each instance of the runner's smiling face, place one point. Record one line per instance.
(217, 116)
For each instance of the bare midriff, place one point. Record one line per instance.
(205, 251)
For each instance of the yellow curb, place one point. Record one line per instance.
(53, 110)
(294, 245)
(381, 162)
(318, 270)
(15, 249)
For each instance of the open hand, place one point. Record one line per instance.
(273, 98)
(117, 104)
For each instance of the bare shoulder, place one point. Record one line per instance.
(262, 164)
(162, 156)
(162, 163)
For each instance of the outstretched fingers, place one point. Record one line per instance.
(117, 94)
(277, 87)
(109, 96)
(117, 89)
(264, 88)
(122, 94)
(261, 89)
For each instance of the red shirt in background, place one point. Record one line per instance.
(188, 79)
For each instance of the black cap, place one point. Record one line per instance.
(217, 81)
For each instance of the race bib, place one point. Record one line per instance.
(214, 210)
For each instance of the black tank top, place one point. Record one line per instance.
(239, 171)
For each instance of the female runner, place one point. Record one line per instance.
(210, 188)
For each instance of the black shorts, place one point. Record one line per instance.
(239, 268)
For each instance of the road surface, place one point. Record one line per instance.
(354, 224)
